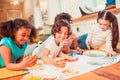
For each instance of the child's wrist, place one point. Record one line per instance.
(52, 61)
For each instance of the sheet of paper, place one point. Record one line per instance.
(72, 69)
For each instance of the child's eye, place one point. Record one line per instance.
(66, 33)
(60, 32)
(100, 24)
(23, 35)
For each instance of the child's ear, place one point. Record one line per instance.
(14, 31)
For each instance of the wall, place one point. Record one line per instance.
(84, 23)
(4, 7)
(28, 8)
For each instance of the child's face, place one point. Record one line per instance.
(104, 24)
(62, 34)
(21, 36)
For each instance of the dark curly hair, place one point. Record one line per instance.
(7, 28)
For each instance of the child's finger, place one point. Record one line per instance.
(32, 60)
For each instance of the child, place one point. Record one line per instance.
(14, 37)
(71, 41)
(106, 35)
(60, 31)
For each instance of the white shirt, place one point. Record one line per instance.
(49, 44)
(52, 46)
(100, 39)
(69, 40)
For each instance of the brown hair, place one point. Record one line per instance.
(106, 15)
(58, 24)
(64, 16)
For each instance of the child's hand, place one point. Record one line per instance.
(59, 62)
(80, 50)
(88, 44)
(70, 59)
(34, 60)
(29, 61)
(111, 53)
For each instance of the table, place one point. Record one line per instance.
(111, 72)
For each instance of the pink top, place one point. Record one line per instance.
(70, 39)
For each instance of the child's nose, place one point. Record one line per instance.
(63, 35)
(26, 38)
(102, 26)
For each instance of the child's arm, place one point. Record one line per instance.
(109, 46)
(6, 55)
(59, 62)
(75, 44)
(67, 58)
(88, 40)
(45, 57)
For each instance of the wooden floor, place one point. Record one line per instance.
(106, 73)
